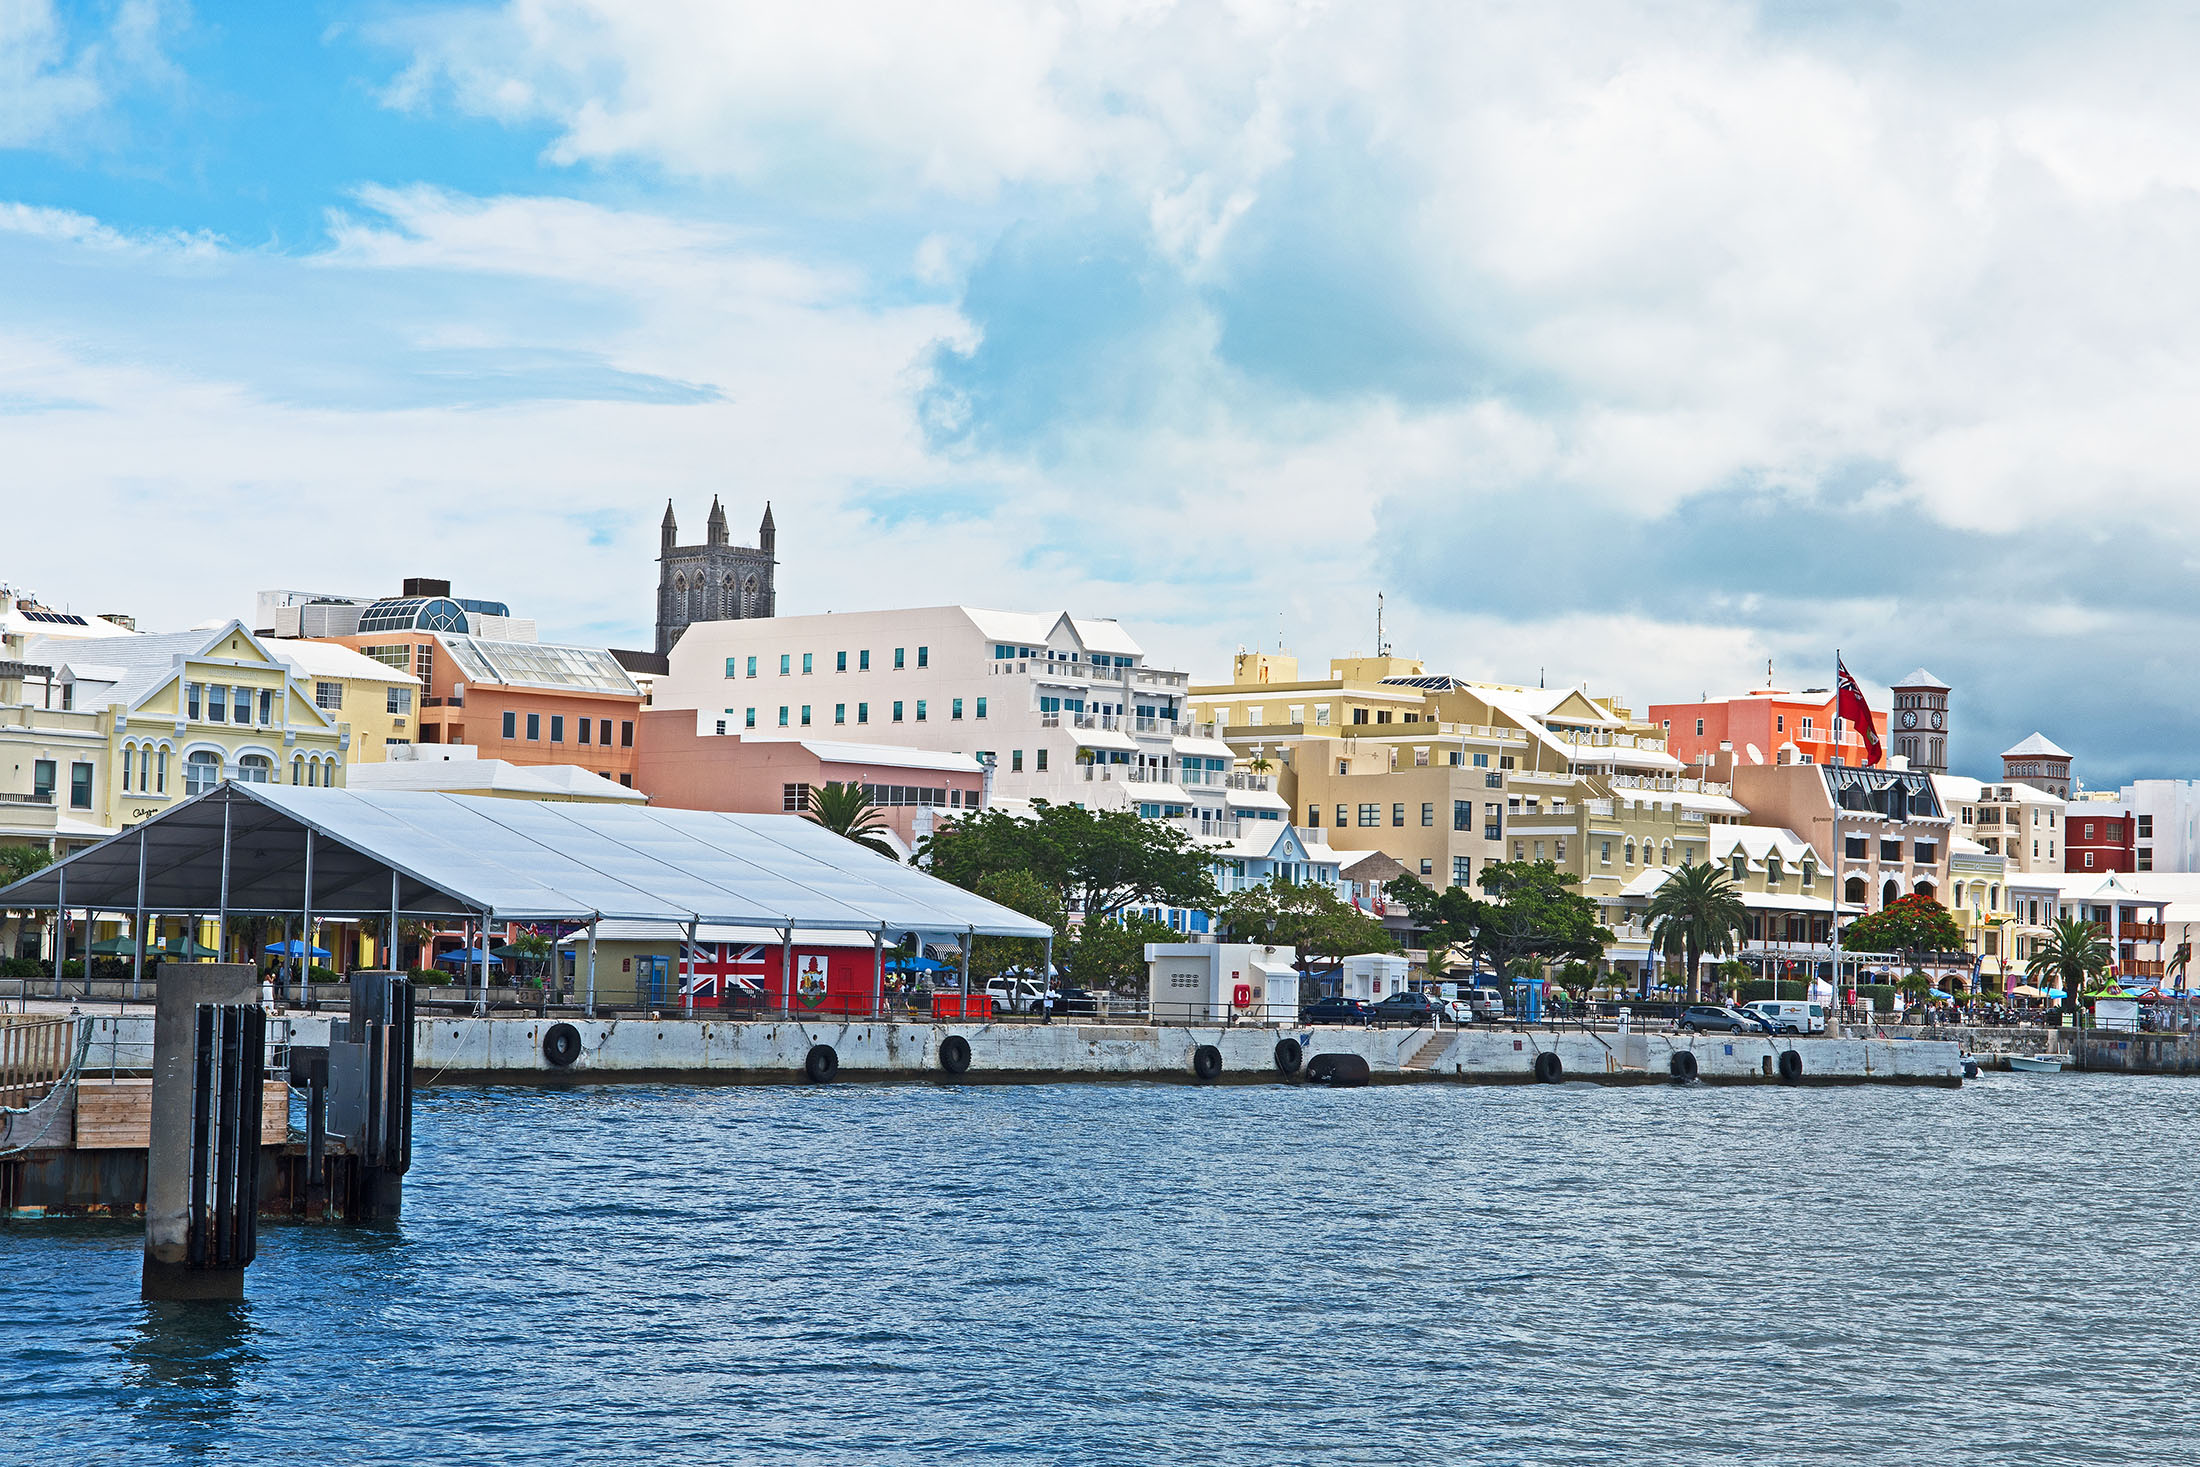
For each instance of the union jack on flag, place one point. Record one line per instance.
(714, 963)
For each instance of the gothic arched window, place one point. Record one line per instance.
(748, 597)
(726, 604)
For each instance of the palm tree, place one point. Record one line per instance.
(2070, 953)
(844, 809)
(1697, 911)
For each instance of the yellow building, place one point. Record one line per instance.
(182, 711)
(373, 698)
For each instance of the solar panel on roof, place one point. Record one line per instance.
(58, 618)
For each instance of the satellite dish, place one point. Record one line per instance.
(1756, 755)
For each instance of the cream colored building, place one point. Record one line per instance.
(376, 700)
(2006, 859)
(179, 712)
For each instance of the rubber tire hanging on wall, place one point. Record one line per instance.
(821, 1064)
(561, 1045)
(1549, 1069)
(1289, 1056)
(1791, 1067)
(1682, 1066)
(1206, 1062)
(954, 1054)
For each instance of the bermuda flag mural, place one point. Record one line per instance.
(1850, 707)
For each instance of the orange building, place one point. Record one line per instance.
(1762, 720)
(525, 702)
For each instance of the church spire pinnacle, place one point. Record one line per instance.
(716, 525)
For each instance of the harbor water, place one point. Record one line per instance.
(1165, 1273)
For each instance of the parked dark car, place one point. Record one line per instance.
(1711, 1018)
(1070, 1001)
(1333, 1011)
(1404, 1008)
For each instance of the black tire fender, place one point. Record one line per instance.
(561, 1045)
(1682, 1066)
(1290, 1054)
(821, 1064)
(1339, 1071)
(954, 1054)
(1791, 1067)
(1206, 1062)
(1549, 1069)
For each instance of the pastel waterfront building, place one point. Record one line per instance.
(377, 700)
(1785, 886)
(2005, 856)
(1895, 834)
(1755, 725)
(179, 712)
(1058, 707)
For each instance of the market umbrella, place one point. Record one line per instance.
(186, 947)
(290, 949)
(468, 955)
(114, 947)
(1940, 993)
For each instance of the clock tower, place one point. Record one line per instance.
(1919, 722)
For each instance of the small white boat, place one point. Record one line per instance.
(2038, 1064)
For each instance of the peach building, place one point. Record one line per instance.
(1763, 719)
(701, 761)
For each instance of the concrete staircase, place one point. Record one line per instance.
(1431, 1050)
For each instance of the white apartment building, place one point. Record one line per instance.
(2167, 814)
(1062, 708)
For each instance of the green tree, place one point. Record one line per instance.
(1109, 950)
(17, 862)
(1309, 917)
(1697, 912)
(1023, 892)
(1912, 924)
(2070, 953)
(846, 810)
(1097, 861)
(1527, 915)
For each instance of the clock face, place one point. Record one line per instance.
(1938, 719)
(1909, 719)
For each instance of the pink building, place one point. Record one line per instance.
(695, 761)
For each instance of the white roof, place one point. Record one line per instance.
(1175, 794)
(1033, 628)
(516, 860)
(627, 931)
(332, 659)
(1257, 799)
(493, 776)
(1957, 789)
(1920, 679)
(1202, 748)
(2038, 746)
(1105, 738)
(94, 672)
(899, 756)
(537, 665)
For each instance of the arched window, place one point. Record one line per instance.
(1630, 853)
(256, 769)
(201, 772)
(298, 770)
(1927, 890)
(727, 605)
(748, 597)
(1665, 854)
(1855, 892)
(1889, 894)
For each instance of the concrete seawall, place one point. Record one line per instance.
(511, 1050)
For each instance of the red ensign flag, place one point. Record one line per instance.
(1850, 707)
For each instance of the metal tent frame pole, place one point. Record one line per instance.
(221, 918)
(1046, 982)
(878, 971)
(964, 944)
(391, 957)
(137, 925)
(786, 967)
(687, 979)
(60, 926)
(305, 923)
(592, 921)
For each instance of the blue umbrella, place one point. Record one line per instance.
(290, 949)
(919, 964)
(1941, 993)
(468, 955)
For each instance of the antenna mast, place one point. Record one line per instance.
(1382, 648)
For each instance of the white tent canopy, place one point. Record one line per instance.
(247, 848)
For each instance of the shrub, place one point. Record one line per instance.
(1766, 988)
(1881, 995)
(326, 975)
(429, 977)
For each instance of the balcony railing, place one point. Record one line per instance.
(1251, 782)
(2142, 932)
(34, 798)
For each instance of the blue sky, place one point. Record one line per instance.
(1630, 344)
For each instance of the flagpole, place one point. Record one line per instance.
(1840, 874)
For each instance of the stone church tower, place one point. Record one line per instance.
(713, 581)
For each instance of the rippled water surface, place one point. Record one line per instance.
(1155, 1273)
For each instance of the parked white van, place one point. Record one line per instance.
(1790, 1016)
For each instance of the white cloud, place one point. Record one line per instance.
(53, 76)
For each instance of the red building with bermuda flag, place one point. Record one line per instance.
(747, 969)
(1763, 719)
